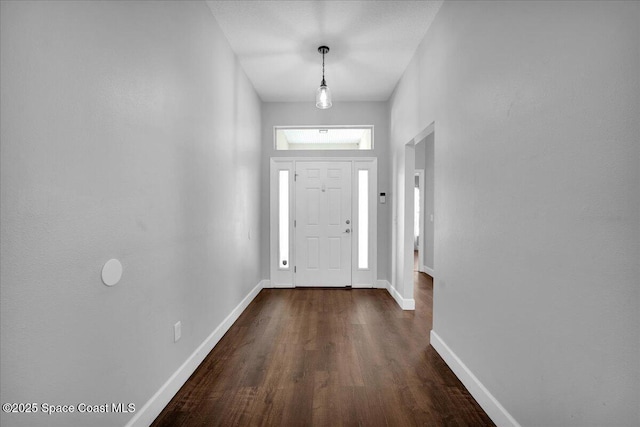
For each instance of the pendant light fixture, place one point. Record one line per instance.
(323, 94)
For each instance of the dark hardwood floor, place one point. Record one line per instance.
(326, 357)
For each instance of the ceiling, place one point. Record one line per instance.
(371, 43)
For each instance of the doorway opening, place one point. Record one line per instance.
(323, 222)
(418, 215)
(424, 203)
(419, 190)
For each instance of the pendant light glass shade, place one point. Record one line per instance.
(323, 94)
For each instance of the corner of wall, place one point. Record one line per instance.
(154, 406)
(404, 303)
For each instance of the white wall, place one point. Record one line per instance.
(341, 113)
(128, 130)
(537, 171)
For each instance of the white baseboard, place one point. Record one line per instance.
(424, 269)
(266, 284)
(404, 303)
(383, 284)
(148, 413)
(485, 399)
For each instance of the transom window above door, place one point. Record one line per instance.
(323, 138)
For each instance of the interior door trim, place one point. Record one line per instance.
(284, 278)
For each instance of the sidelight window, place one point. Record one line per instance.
(363, 218)
(283, 222)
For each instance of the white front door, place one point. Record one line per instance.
(323, 224)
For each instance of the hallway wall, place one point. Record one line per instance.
(536, 108)
(129, 131)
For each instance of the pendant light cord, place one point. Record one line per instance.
(323, 82)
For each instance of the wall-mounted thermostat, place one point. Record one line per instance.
(383, 198)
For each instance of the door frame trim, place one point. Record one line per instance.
(284, 278)
(403, 272)
(421, 221)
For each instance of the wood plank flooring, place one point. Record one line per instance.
(326, 357)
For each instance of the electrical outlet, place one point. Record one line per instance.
(177, 331)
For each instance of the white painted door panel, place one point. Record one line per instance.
(323, 224)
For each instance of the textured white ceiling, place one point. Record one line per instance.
(371, 44)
